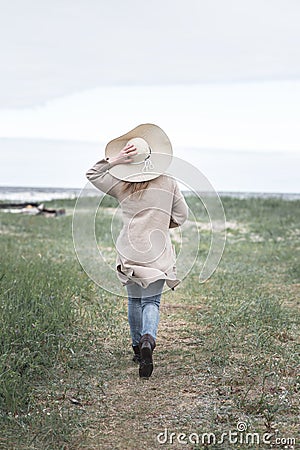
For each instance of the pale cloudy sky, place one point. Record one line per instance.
(222, 78)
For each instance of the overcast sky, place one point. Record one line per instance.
(218, 76)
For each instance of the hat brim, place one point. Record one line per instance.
(161, 154)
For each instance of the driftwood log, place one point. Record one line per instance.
(32, 208)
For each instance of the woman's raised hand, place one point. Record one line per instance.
(125, 155)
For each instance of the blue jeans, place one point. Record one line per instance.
(143, 309)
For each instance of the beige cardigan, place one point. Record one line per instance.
(144, 249)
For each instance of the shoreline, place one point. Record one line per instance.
(38, 194)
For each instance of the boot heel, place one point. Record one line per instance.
(137, 354)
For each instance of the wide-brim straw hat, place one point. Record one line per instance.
(153, 158)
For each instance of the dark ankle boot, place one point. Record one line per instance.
(147, 345)
(137, 354)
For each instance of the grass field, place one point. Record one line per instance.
(226, 353)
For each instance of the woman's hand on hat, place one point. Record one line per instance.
(125, 156)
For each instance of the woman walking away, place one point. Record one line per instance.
(133, 172)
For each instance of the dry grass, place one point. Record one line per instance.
(226, 350)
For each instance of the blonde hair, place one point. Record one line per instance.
(133, 186)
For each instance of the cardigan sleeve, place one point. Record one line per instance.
(179, 213)
(100, 177)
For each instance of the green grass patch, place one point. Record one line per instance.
(227, 349)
